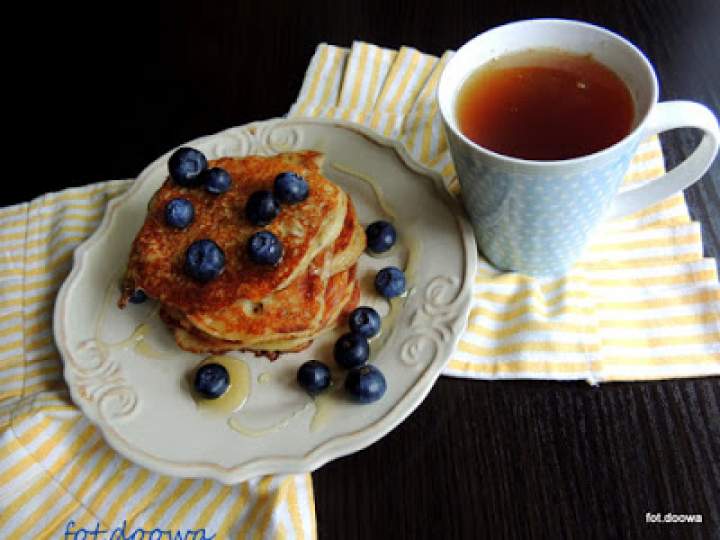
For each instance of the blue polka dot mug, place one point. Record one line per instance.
(535, 217)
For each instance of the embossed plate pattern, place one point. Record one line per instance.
(139, 395)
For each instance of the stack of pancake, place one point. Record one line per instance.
(252, 307)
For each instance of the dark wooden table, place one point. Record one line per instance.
(102, 93)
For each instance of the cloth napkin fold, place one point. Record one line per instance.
(642, 303)
(57, 473)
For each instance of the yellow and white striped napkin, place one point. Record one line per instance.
(55, 468)
(641, 304)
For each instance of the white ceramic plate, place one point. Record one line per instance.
(128, 376)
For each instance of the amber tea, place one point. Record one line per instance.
(545, 104)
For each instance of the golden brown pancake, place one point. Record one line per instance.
(191, 339)
(250, 307)
(350, 244)
(158, 253)
(336, 294)
(293, 312)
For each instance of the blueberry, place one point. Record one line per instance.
(261, 208)
(365, 384)
(290, 188)
(204, 260)
(381, 236)
(211, 381)
(179, 213)
(390, 282)
(263, 247)
(351, 350)
(216, 180)
(365, 321)
(138, 297)
(185, 166)
(313, 376)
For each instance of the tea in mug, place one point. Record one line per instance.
(545, 104)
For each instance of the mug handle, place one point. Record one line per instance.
(665, 116)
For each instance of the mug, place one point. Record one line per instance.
(535, 217)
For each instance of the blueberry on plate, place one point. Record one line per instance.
(261, 208)
(365, 384)
(211, 381)
(290, 188)
(185, 166)
(365, 321)
(204, 260)
(390, 282)
(263, 247)
(138, 297)
(313, 376)
(381, 236)
(215, 180)
(179, 213)
(351, 350)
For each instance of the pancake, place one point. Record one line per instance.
(350, 244)
(251, 307)
(195, 341)
(198, 343)
(305, 229)
(293, 312)
(338, 294)
(300, 327)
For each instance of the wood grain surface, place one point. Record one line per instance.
(103, 90)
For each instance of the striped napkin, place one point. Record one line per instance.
(641, 304)
(57, 474)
